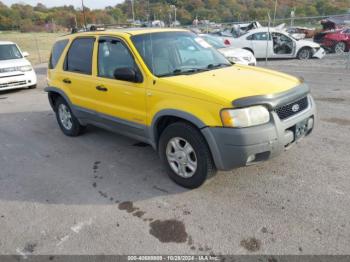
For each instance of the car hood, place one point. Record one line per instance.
(14, 63)
(228, 84)
(236, 52)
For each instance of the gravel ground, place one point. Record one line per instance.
(106, 194)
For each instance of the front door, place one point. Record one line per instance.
(120, 101)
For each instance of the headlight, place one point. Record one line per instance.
(25, 68)
(233, 59)
(245, 117)
(247, 58)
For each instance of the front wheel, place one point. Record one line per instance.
(305, 53)
(186, 155)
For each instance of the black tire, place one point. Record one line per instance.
(76, 129)
(339, 48)
(205, 164)
(32, 87)
(304, 53)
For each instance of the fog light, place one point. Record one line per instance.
(251, 159)
(310, 123)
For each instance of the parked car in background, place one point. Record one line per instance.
(301, 32)
(15, 70)
(337, 41)
(234, 55)
(275, 43)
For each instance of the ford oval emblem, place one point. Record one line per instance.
(295, 108)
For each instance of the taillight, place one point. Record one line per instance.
(227, 42)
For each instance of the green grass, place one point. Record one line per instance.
(38, 45)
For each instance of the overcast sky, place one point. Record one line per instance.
(50, 3)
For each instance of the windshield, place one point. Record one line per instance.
(174, 53)
(214, 41)
(8, 52)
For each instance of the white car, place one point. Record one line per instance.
(235, 55)
(279, 44)
(15, 70)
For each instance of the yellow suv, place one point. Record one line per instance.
(169, 88)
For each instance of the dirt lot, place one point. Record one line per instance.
(105, 194)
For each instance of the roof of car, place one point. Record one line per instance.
(127, 31)
(6, 43)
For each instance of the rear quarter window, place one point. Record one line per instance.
(56, 53)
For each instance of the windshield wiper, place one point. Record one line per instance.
(214, 66)
(184, 72)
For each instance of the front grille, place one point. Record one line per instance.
(14, 83)
(292, 109)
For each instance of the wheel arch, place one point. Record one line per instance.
(54, 93)
(248, 49)
(168, 116)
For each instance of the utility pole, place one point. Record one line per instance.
(274, 16)
(175, 9)
(133, 12)
(82, 4)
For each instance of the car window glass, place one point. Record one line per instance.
(112, 55)
(260, 36)
(9, 52)
(214, 42)
(79, 57)
(168, 53)
(57, 51)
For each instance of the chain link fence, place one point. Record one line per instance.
(38, 45)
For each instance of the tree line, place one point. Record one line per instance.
(26, 18)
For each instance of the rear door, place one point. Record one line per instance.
(77, 78)
(262, 44)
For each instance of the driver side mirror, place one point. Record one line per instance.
(25, 54)
(127, 74)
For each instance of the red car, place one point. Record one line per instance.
(336, 41)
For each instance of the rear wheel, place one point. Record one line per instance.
(339, 48)
(68, 123)
(186, 155)
(305, 53)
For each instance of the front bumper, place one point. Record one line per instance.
(320, 53)
(237, 147)
(17, 80)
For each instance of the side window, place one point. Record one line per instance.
(79, 57)
(112, 55)
(260, 36)
(250, 37)
(56, 53)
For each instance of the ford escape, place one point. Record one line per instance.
(171, 89)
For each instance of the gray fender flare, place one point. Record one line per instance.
(175, 113)
(51, 89)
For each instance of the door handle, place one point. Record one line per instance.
(67, 81)
(102, 88)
